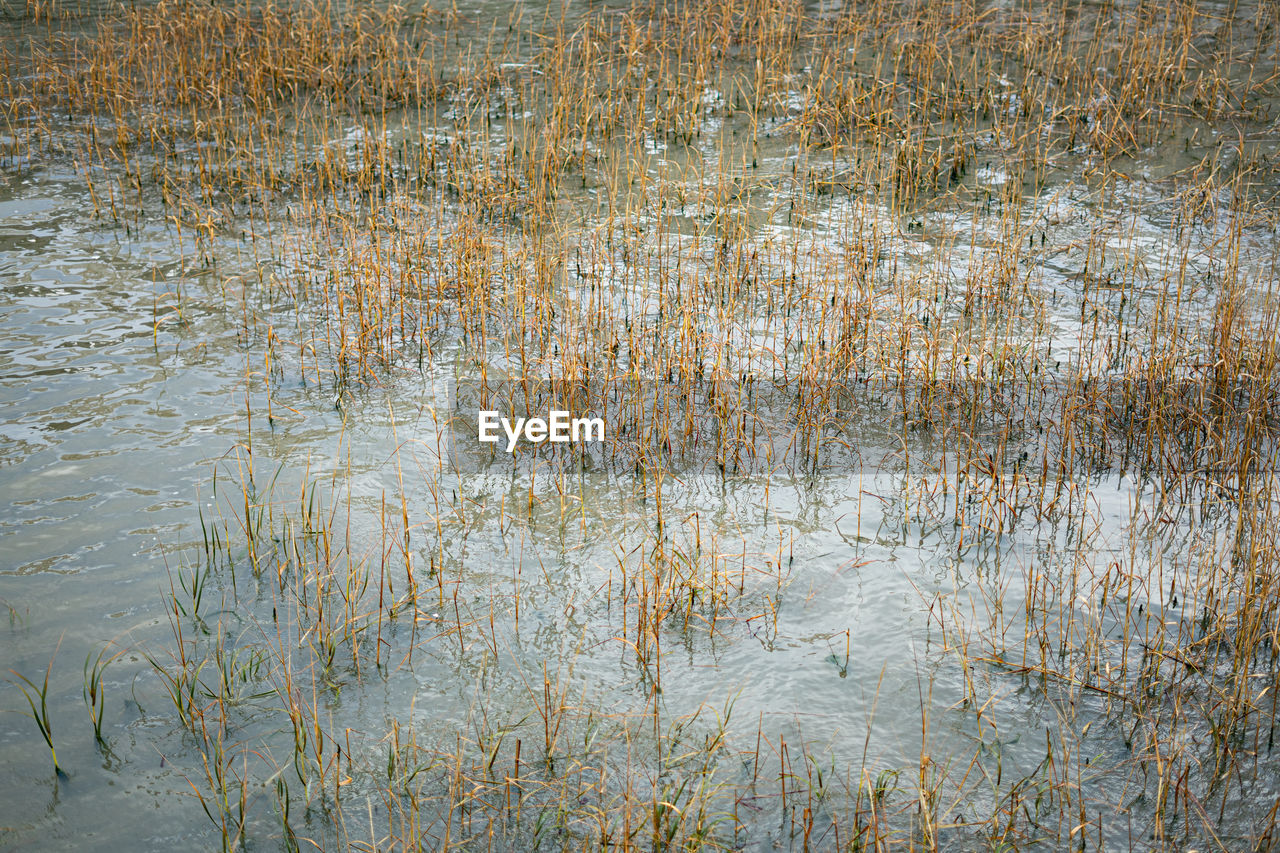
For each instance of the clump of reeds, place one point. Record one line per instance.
(37, 697)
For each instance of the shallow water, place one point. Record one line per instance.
(128, 379)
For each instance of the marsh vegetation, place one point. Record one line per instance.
(937, 345)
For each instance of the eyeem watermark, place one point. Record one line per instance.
(557, 427)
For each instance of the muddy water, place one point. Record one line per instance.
(109, 424)
(127, 382)
(116, 411)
